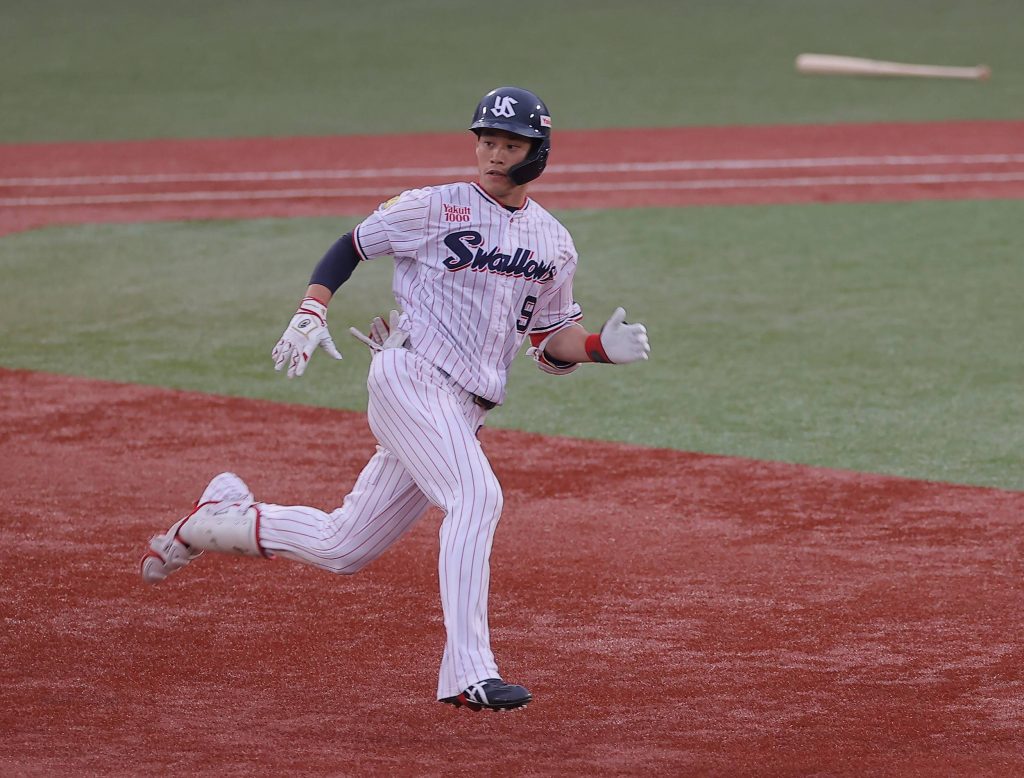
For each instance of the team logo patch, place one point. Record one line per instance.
(467, 252)
(545, 121)
(457, 213)
(385, 205)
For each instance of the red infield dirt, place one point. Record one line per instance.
(72, 183)
(673, 613)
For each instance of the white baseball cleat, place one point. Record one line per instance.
(166, 554)
(226, 495)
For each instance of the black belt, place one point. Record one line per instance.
(484, 403)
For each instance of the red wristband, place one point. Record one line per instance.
(594, 348)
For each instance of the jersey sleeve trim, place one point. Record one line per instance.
(557, 325)
(359, 248)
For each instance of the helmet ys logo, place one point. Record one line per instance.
(503, 107)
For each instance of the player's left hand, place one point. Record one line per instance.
(306, 331)
(383, 334)
(622, 343)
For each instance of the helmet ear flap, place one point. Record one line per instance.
(531, 167)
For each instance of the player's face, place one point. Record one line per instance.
(496, 152)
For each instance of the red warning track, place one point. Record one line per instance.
(72, 183)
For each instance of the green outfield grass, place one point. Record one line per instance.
(109, 69)
(892, 345)
(874, 337)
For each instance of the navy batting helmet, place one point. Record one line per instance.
(520, 112)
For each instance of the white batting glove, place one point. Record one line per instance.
(383, 334)
(306, 331)
(619, 342)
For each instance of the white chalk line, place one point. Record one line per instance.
(927, 179)
(553, 170)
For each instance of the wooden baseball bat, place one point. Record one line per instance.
(832, 64)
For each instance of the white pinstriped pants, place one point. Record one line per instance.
(428, 453)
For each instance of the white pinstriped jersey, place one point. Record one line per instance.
(473, 279)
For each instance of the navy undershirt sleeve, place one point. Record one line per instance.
(337, 264)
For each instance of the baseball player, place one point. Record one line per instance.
(478, 267)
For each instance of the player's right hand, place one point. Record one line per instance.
(306, 331)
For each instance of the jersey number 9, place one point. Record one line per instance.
(526, 313)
